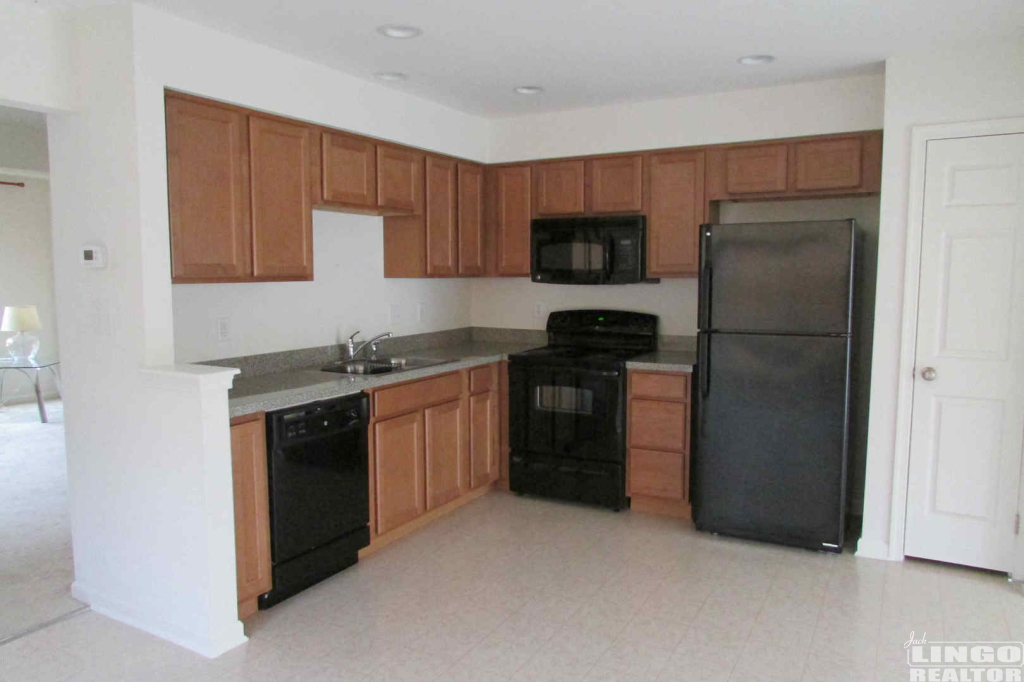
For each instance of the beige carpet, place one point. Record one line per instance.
(35, 537)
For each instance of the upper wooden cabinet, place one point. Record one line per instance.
(828, 164)
(512, 222)
(208, 192)
(756, 169)
(282, 218)
(442, 218)
(559, 187)
(472, 260)
(348, 170)
(399, 178)
(616, 184)
(675, 213)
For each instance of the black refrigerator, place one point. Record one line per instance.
(773, 381)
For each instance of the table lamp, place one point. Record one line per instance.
(21, 320)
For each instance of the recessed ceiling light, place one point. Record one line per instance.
(391, 76)
(756, 59)
(399, 31)
(529, 89)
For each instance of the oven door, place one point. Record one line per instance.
(567, 412)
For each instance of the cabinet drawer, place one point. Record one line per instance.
(482, 379)
(658, 425)
(661, 386)
(413, 396)
(657, 474)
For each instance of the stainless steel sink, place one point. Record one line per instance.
(382, 365)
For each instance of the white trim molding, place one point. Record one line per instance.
(920, 136)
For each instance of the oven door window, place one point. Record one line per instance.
(569, 399)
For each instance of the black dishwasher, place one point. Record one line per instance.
(319, 496)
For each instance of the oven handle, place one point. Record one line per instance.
(592, 372)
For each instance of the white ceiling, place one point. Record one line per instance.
(591, 52)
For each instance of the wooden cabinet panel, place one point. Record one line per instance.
(252, 512)
(657, 425)
(447, 470)
(399, 469)
(348, 169)
(416, 395)
(442, 229)
(282, 218)
(399, 178)
(659, 385)
(208, 191)
(828, 164)
(616, 184)
(484, 437)
(657, 474)
(471, 219)
(676, 212)
(759, 168)
(504, 446)
(559, 187)
(483, 379)
(513, 220)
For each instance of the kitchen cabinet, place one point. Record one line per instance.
(447, 476)
(504, 448)
(470, 201)
(513, 189)
(441, 218)
(675, 213)
(758, 168)
(399, 450)
(252, 510)
(399, 178)
(208, 192)
(616, 184)
(559, 187)
(827, 164)
(658, 405)
(484, 429)
(282, 218)
(348, 170)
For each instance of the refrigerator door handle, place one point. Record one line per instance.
(703, 354)
(704, 300)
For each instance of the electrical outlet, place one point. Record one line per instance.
(396, 313)
(539, 310)
(223, 329)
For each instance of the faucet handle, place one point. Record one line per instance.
(352, 338)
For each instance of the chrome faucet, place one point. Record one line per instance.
(354, 350)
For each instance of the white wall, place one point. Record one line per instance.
(26, 271)
(35, 58)
(23, 147)
(349, 293)
(944, 86)
(829, 106)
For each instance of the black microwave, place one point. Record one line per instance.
(606, 250)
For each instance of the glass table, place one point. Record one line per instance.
(31, 369)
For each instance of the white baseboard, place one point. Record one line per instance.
(211, 647)
(872, 549)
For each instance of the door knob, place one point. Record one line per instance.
(928, 374)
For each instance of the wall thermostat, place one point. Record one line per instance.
(93, 256)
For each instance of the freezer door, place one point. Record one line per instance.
(771, 434)
(777, 277)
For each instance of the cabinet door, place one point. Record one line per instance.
(282, 215)
(252, 512)
(348, 169)
(208, 192)
(559, 187)
(760, 168)
(514, 220)
(471, 219)
(399, 178)
(657, 474)
(446, 453)
(616, 184)
(675, 214)
(483, 437)
(442, 229)
(657, 425)
(828, 164)
(399, 470)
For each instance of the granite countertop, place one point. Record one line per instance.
(299, 386)
(664, 361)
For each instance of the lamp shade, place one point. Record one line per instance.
(20, 319)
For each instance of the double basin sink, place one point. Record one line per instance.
(382, 365)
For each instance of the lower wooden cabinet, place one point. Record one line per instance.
(659, 442)
(484, 438)
(446, 455)
(399, 448)
(252, 510)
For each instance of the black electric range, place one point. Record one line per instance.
(567, 406)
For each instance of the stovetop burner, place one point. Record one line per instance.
(594, 338)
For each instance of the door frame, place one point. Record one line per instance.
(906, 372)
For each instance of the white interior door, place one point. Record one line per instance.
(968, 414)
